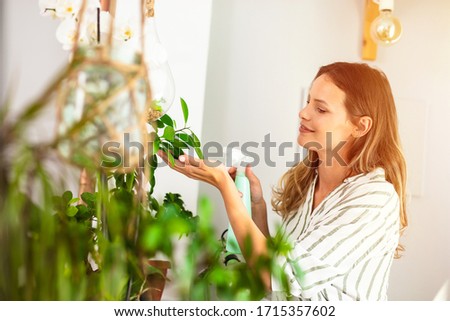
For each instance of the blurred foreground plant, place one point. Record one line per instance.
(97, 247)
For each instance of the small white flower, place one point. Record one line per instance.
(124, 31)
(67, 8)
(66, 33)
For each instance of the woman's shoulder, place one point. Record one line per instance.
(371, 186)
(374, 179)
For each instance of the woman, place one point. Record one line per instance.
(343, 206)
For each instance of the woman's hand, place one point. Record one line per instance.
(259, 207)
(255, 185)
(213, 173)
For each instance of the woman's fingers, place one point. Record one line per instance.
(250, 175)
(197, 169)
(190, 160)
(185, 164)
(232, 172)
(255, 185)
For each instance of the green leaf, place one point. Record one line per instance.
(205, 208)
(169, 212)
(156, 143)
(89, 199)
(173, 198)
(169, 133)
(71, 211)
(153, 162)
(183, 136)
(166, 120)
(67, 196)
(130, 179)
(159, 124)
(193, 140)
(178, 226)
(171, 159)
(177, 152)
(196, 139)
(58, 204)
(185, 109)
(120, 180)
(73, 200)
(152, 184)
(154, 205)
(153, 236)
(180, 144)
(199, 152)
(83, 212)
(166, 147)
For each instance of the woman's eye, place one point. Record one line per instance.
(321, 111)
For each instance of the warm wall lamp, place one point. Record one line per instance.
(380, 27)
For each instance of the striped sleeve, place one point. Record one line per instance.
(352, 230)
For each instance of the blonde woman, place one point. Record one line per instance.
(343, 206)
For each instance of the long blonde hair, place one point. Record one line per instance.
(367, 93)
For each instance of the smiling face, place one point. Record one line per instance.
(325, 113)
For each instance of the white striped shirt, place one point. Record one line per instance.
(343, 248)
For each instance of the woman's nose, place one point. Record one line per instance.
(303, 113)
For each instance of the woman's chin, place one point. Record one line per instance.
(307, 143)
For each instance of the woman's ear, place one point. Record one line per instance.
(363, 126)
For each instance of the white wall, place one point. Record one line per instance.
(31, 55)
(30, 59)
(263, 52)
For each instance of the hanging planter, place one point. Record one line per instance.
(102, 109)
(156, 57)
(105, 101)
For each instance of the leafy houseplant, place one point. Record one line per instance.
(97, 247)
(152, 223)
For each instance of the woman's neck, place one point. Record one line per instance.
(330, 177)
(332, 172)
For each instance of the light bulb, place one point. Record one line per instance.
(386, 29)
(161, 78)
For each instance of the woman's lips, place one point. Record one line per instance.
(304, 129)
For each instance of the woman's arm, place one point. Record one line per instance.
(259, 216)
(241, 222)
(244, 227)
